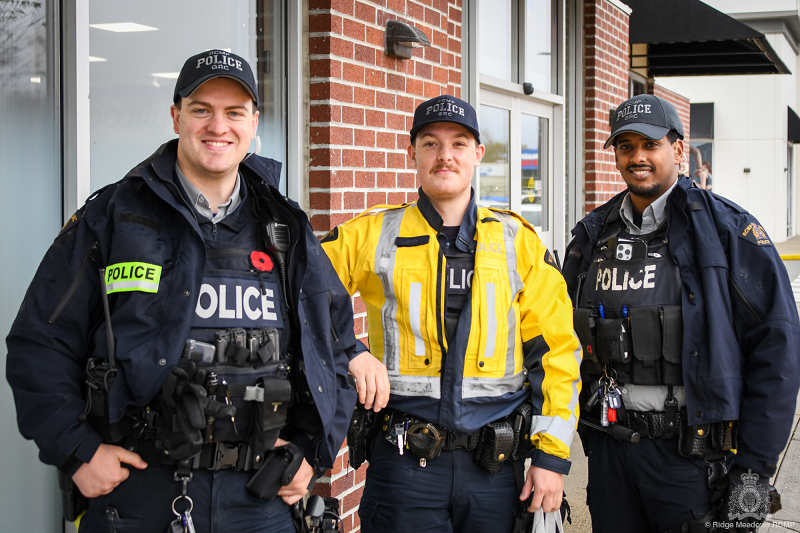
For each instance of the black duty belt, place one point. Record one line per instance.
(651, 424)
(214, 456)
(452, 440)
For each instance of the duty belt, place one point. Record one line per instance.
(214, 456)
(493, 444)
(651, 424)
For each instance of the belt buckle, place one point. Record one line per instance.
(225, 456)
(452, 442)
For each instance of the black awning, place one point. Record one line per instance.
(794, 126)
(690, 38)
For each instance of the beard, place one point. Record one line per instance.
(645, 191)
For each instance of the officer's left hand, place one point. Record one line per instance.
(547, 488)
(294, 491)
(372, 381)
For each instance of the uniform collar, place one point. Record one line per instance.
(200, 202)
(653, 216)
(466, 235)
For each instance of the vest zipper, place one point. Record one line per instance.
(439, 310)
(74, 287)
(745, 301)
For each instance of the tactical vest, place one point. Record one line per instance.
(629, 309)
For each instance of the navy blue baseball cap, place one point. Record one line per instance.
(211, 64)
(445, 109)
(647, 115)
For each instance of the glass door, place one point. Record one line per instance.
(516, 171)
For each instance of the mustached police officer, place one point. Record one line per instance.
(181, 354)
(690, 336)
(469, 316)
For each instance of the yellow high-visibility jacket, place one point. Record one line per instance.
(518, 309)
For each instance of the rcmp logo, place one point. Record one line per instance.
(754, 233)
(749, 500)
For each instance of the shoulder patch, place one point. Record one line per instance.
(73, 221)
(550, 260)
(135, 218)
(332, 235)
(752, 232)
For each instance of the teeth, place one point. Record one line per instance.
(213, 143)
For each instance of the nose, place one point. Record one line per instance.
(217, 124)
(445, 153)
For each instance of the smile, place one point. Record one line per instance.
(217, 143)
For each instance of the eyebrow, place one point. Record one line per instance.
(206, 104)
(428, 134)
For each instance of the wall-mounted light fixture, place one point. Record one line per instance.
(400, 38)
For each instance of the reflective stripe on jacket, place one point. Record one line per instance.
(391, 255)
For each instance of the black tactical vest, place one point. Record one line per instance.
(241, 331)
(629, 309)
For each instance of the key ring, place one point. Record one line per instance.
(189, 510)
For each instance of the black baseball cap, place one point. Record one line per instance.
(445, 109)
(214, 64)
(647, 115)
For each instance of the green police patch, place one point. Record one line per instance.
(127, 277)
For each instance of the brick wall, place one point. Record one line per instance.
(361, 107)
(680, 102)
(605, 87)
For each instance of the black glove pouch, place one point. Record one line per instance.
(279, 468)
(613, 340)
(269, 416)
(497, 444)
(522, 419)
(360, 435)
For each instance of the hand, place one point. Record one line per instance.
(548, 487)
(372, 381)
(294, 491)
(104, 472)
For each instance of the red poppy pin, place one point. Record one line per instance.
(261, 261)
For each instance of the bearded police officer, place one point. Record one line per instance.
(690, 336)
(470, 318)
(181, 354)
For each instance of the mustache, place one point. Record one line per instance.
(437, 168)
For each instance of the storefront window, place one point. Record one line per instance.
(539, 45)
(136, 52)
(700, 163)
(534, 171)
(30, 151)
(495, 176)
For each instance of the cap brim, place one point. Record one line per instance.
(648, 130)
(189, 89)
(414, 131)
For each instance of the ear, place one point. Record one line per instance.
(255, 125)
(176, 119)
(677, 151)
(412, 155)
(479, 153)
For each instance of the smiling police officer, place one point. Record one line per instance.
(690, 335)
(470, 318)
(181, 354)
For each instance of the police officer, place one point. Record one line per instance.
(690, 336)
(469, 316)
(194, 243)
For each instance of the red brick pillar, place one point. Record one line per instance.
(681, 103)
(606, 86)
(361, 108)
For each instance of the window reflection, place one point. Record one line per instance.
(135, 62)
(538, 45)
(534, 171)
(495, 178)
(495, 27)
(700, 169)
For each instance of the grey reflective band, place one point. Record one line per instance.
(556, 427)
(415, 317)
(491, 322)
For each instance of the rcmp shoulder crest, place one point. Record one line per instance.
(754, 233)
(749, 500)
(73, 220)
(550, 260)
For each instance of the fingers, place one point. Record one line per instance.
(383, 389)
(361, 387)
(129, 458)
